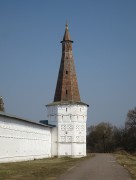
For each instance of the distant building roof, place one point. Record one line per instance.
(25, 120)
(46, 122)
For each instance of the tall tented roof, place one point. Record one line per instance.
(67, 85)
(1, 104)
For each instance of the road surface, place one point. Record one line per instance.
(100, 167)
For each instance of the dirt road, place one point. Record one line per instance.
(100, 167)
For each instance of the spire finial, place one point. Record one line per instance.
(66, 25)
(66, 36)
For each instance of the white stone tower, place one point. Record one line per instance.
(67, 111)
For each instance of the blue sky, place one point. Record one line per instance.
(104, 49)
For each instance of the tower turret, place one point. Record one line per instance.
(67, 111)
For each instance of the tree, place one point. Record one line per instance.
(100, 138)
(130, 134)
(119, 138)
(106, 138)
(131, 119)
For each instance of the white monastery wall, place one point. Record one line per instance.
(23, 140)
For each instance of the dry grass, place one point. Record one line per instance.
(47, 169)
(128, 161)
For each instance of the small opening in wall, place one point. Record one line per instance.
(66, 91)
(66, 72)
(66, 109)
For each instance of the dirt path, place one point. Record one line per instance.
(100, 167)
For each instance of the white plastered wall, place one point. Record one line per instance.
(21, 140)
(54, 142)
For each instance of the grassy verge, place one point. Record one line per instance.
(47, 169)
(128, 161)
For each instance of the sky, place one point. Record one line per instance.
(104, 50)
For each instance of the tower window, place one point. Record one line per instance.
(66, 109)
(66, 91)
(66, 72)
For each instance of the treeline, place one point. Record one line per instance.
(107, 138)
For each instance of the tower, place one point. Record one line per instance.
(67, 111)
(1, 104)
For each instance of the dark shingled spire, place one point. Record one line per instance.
(67, 85)
(1, 104)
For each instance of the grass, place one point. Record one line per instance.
(47, 169)
(128, 161)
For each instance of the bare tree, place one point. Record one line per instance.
(100, 138)
(130, 131)
(131, 119)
